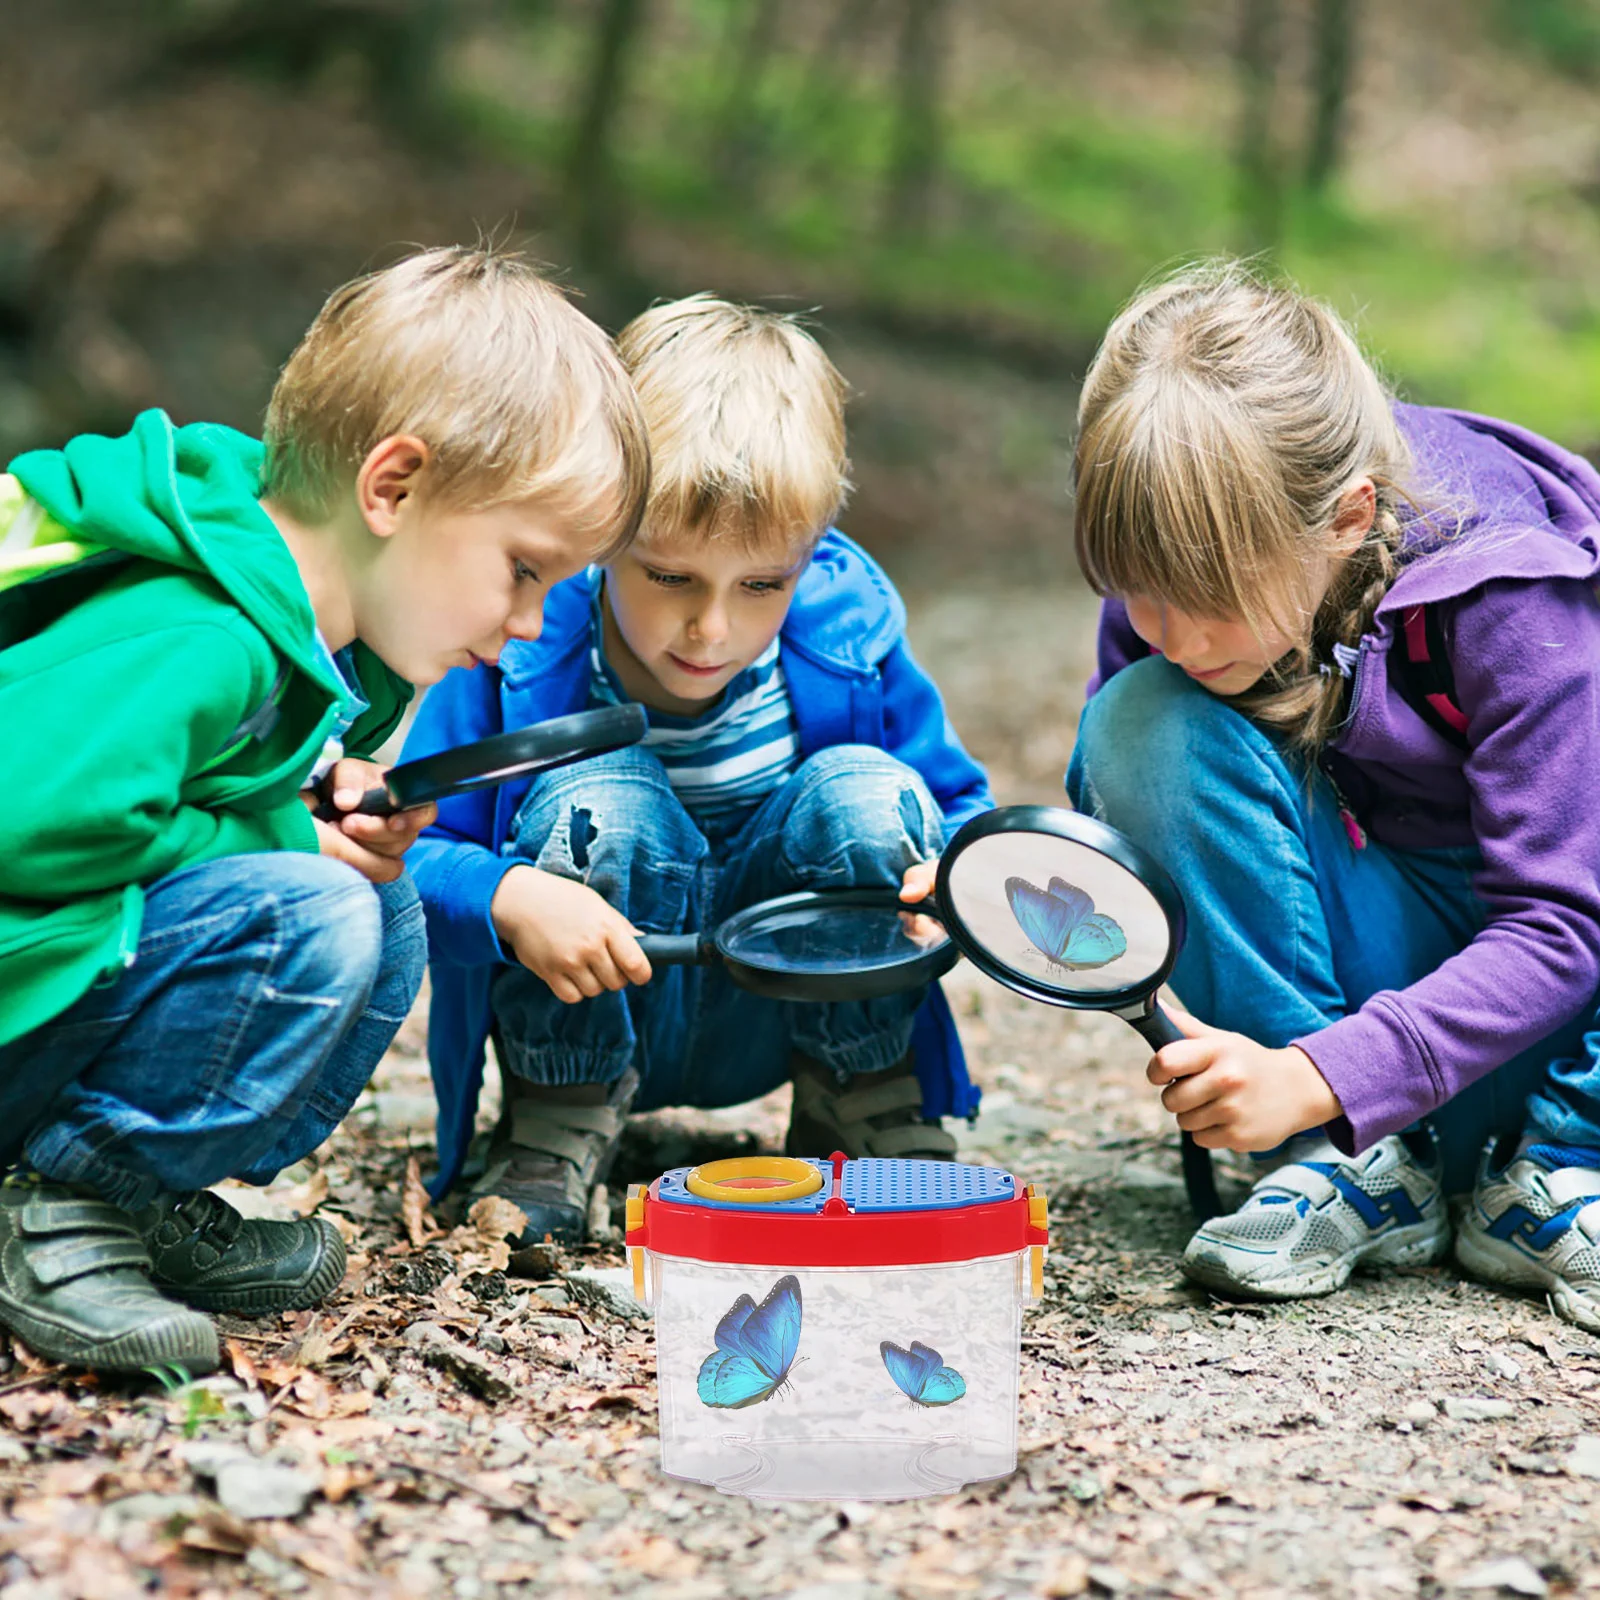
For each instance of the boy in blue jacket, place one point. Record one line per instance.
(794, 744)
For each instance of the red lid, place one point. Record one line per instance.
(771, 1211)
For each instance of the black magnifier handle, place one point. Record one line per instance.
(677, 949)
(374, 803)
(1158, 1029)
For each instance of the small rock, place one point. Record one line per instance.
(1420, 1413)
(467, 1367)
(254, 1490)
(1139, 1344)
(536, 1261)
(1471, 1408)
(1108, 1579)
(117, 1514)
(1069, 1577)
(1509, 1572)
(1584, 1459)
(607, 1289)
(555, 1298)
(1085, 1488)
(1503, 1366)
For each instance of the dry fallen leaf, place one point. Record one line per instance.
(493, 1219)
(414, 1206)
(306, 1197)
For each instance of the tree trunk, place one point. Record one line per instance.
(1331, 67)
(1259, 167)
(737, 153)
(914, 156)
(593, 192)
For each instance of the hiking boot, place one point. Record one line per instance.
(1310, 1223)
(555, 1142)
(1534, 1223)
(75, 1284)
(870, 1114)
(206, 1254)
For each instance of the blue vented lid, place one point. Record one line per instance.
(867, 1186)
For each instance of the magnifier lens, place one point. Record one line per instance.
(1059, 913)
(817, 940)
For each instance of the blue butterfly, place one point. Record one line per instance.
(1063, 923)
(755, 1348)
(921, 1373)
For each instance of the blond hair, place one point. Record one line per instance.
(1223, 421)
(746, 421)
(516, 393)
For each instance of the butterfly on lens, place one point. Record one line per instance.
(1062, 923)
(755, 1348)
(921, 1374)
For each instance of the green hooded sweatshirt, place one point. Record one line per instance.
(162, 701)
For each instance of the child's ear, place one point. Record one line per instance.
(1352, 522)
(390, 475)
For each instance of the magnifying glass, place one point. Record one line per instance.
(1066, 910)
(823, 944)
(1053, 905)
(498, 759)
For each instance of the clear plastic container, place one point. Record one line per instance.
(801, 1375)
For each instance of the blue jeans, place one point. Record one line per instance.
(263, 993)
(850, 816)
(1290, 926)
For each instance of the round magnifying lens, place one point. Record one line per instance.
(834, 938)
(1061, 907)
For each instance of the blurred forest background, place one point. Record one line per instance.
(962, 191)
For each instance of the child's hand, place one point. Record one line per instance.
(917, 884)
(565, 933)
(372, 845)
(1234, 1094)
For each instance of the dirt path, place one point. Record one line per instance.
(443, 1428)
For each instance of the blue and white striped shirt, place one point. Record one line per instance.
(725, 761)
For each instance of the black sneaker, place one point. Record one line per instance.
(553, 1145)
(206, 1254)
(75, 1285)
(871, 1114)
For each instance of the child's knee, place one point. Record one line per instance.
(615, 824)
(859, 811)
(597, 809)
(324, 925)
(1143, 731)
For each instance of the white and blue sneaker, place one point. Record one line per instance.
(1535, 1224)
(1310, 1223)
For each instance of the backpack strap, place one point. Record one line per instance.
(259, 725)
(1420, 670)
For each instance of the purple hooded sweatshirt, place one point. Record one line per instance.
(1514, 589)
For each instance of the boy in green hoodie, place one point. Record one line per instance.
(197, 977)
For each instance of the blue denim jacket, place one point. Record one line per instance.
(852, 680)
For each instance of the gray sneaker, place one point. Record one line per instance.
(871, 1114)
(1310, 1223)
(553, 1145)
(75, 1285)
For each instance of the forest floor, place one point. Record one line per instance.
(446, 1426)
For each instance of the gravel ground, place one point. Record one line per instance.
(455, 1422)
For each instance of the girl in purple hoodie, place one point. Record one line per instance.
(1349, 695)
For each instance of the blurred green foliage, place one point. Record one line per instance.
(1051, 213)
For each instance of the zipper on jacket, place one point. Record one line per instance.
(1353, 831)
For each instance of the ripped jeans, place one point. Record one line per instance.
(850, 816)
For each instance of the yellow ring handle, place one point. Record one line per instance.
(754, 1180)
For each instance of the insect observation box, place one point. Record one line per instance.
(837, 1329)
